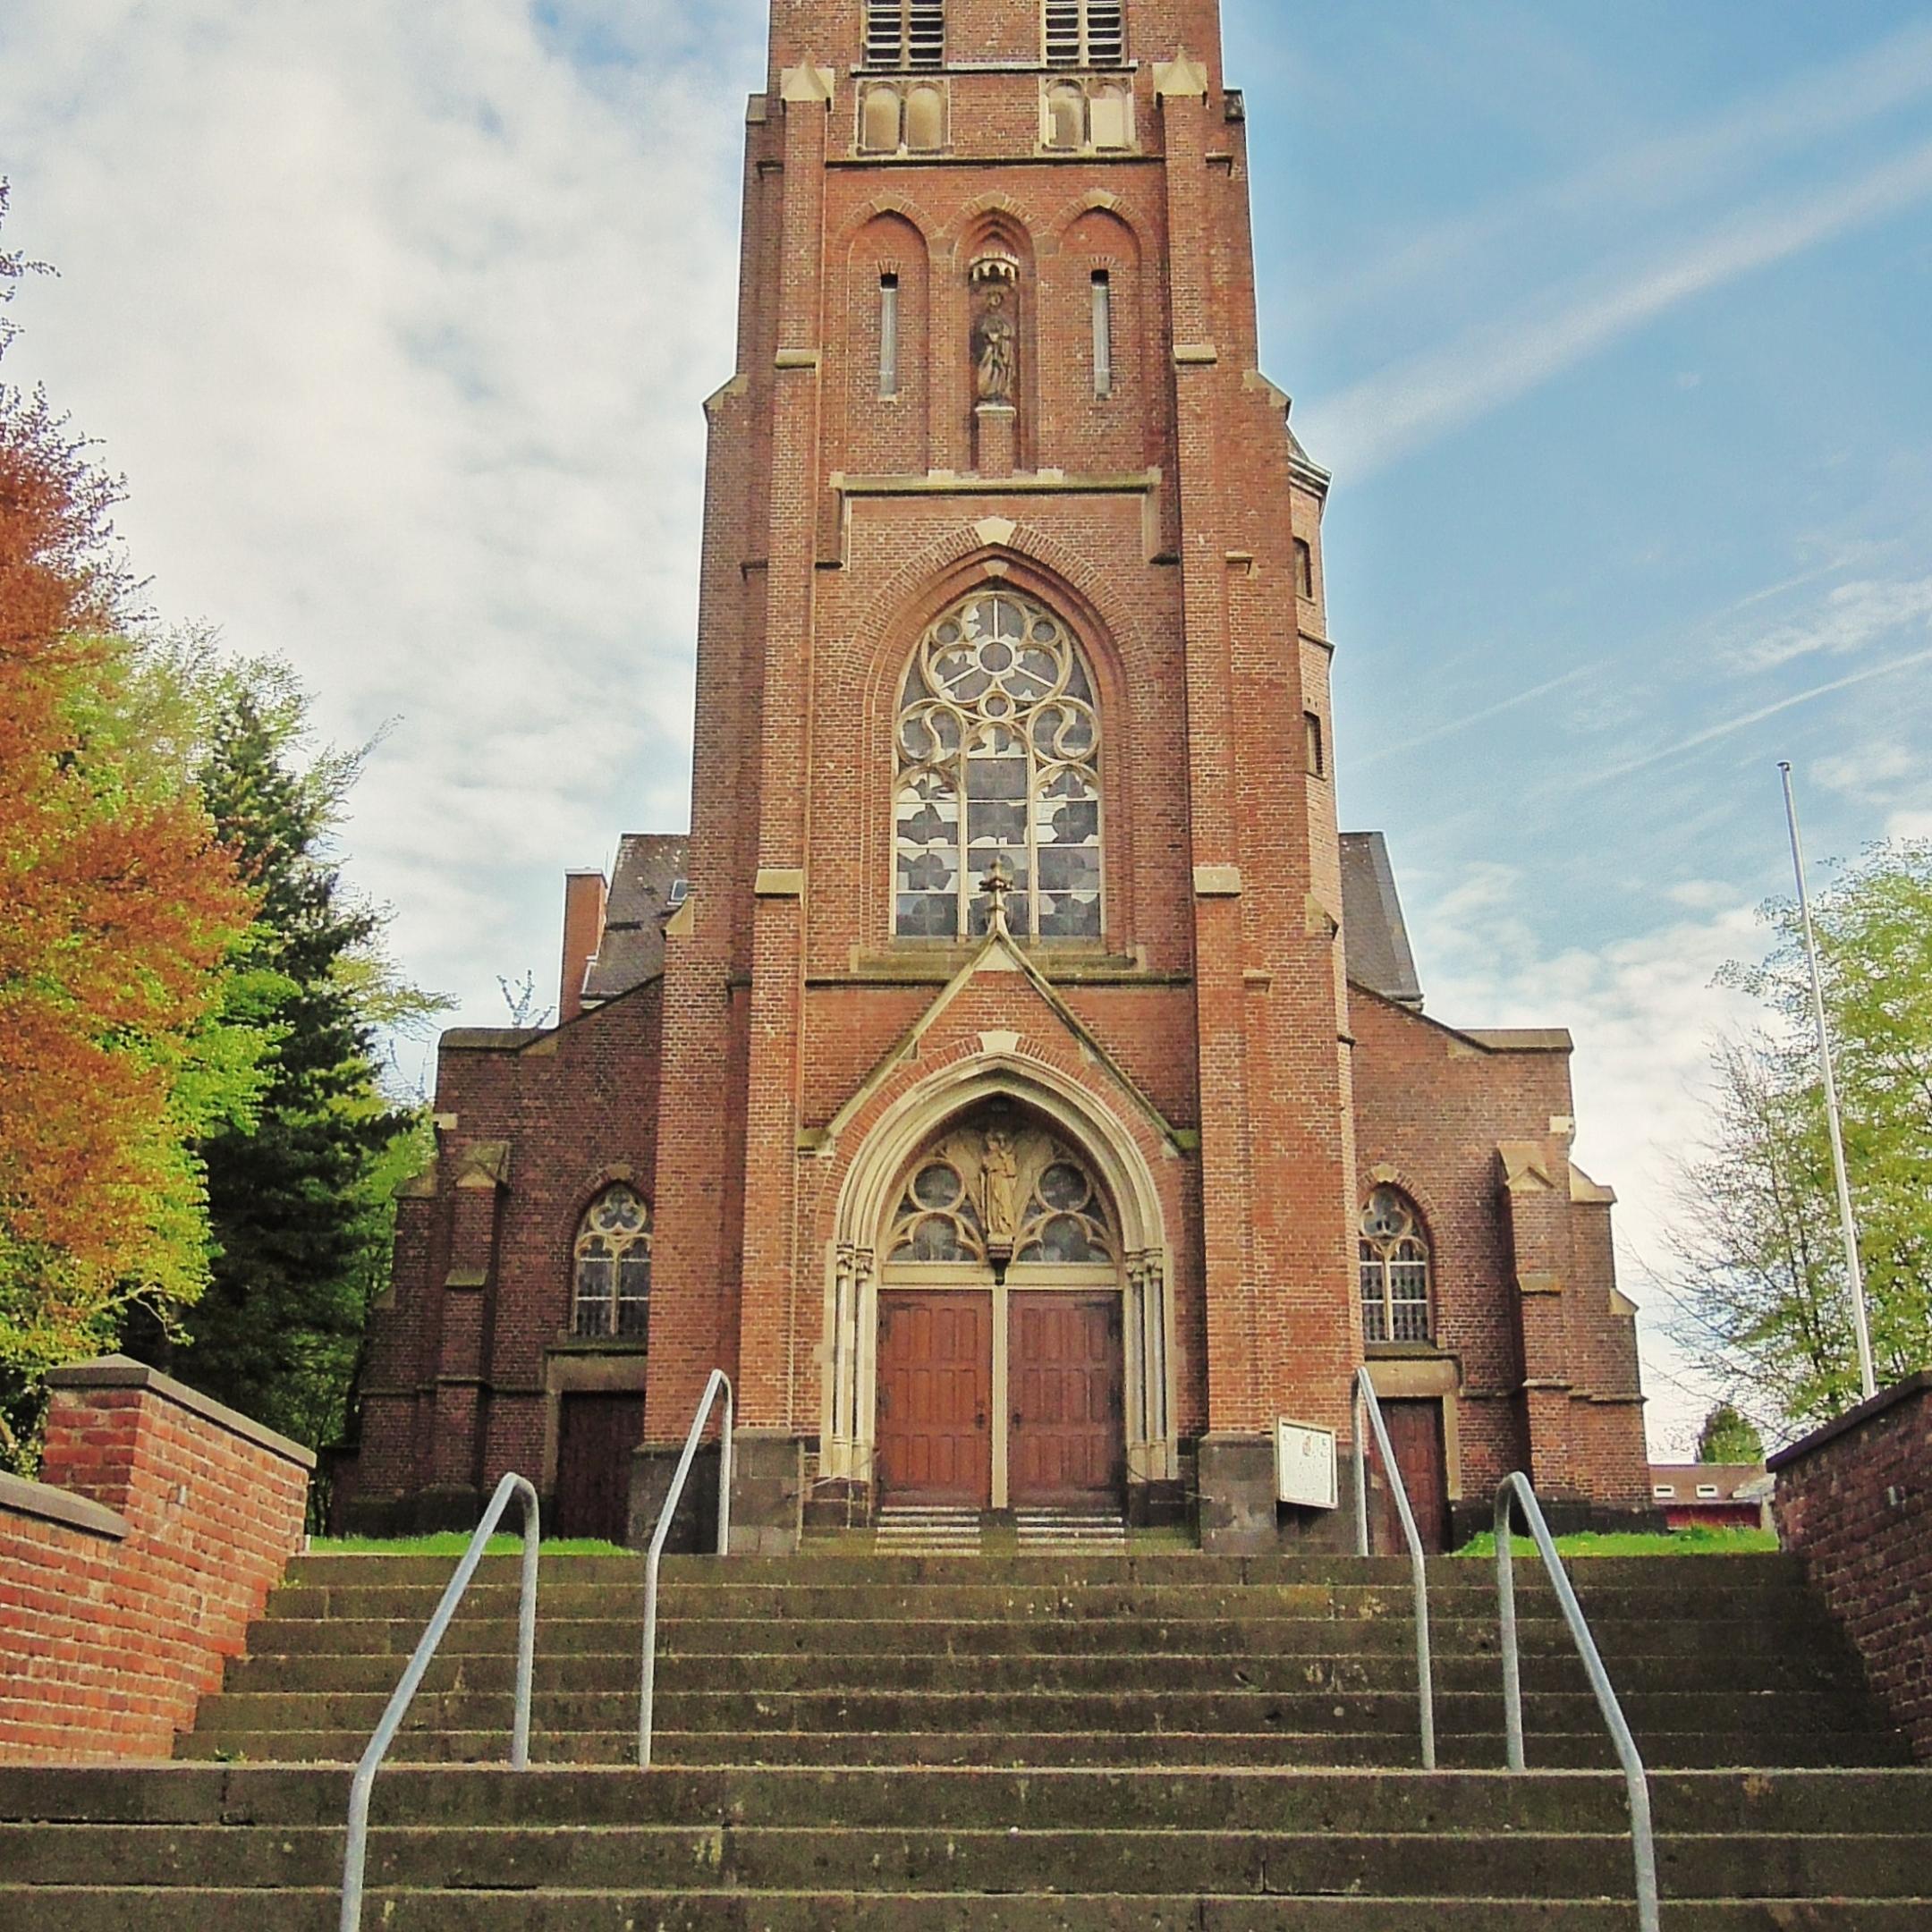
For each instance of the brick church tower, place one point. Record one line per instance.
(1016, 1082)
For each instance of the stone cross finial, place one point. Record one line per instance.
(997, 884)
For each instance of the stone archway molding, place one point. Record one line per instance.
(999, 1071)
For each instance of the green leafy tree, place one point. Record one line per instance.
(1729, 1436)
(118, 914)
(300, 1195)
(1760, 1275)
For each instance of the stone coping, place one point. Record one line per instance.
(1853, 1418)
(118, 1372)
(24, 1498)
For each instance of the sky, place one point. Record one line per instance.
(1610, 322)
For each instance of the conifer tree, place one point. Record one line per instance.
(299, 1196)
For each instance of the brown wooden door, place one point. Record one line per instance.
(1064, 1379)
(935, 1397)
(596, 1436)
(1416, 1435)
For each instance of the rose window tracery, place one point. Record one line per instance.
(998, 760)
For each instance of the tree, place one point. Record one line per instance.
(118, 909)
(1728, 1437)
(300, 1194)
(1760, 1277)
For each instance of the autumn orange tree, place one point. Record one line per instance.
(118, 914)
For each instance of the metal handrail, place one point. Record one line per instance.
(1364, 1397)
(1515, 1490)
(356, 1851)
(648, 1697)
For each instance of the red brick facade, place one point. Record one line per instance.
(1128, 470)
(1854, 1502)
(133, 1572)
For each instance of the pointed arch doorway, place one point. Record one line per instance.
(1001, 1375)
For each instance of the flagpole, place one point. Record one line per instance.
(1854, 1273)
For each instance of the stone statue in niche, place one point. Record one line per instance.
(993, 350)
(995, 334)
(999, 1177)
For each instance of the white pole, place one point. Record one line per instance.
(1862, 1326)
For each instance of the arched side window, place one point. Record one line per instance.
(612, 1267)
(1394, 1270)
(998, 763)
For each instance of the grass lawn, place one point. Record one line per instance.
(1666, 1543)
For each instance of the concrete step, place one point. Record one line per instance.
(1699, 1643)
(1873, 1802)
(1165, 1859)
(616, 1672)
(1480, 1748)
(861, 1565)
(1702, 1642)
(100, 1909)
(1771, 1714)
(1745, 1606)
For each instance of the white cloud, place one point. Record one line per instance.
(1871, 773)
(1643, 1011)
(1851, 616)
(1403, 406)
(1758, 714)
(399, 322)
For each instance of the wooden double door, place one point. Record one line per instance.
(944, 1435)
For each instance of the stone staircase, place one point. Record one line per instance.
(944, 1744)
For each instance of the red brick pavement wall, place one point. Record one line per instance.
(133, 1573)
(1854, 1502)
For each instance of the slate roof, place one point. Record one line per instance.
(649, 863)
(1374, 936)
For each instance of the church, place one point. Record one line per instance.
(1015, 1080)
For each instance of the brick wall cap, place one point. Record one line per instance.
(1853, 1418)
(490, 1039)
(24, 1498)
(117, 1371)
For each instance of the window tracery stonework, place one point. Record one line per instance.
(1002, 1190)
(1394, 1270)
(998, 756)
(611, 1271)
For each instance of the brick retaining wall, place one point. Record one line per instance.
(133, 1572)
(1854, 1501)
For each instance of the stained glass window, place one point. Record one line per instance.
(612, 1267)
(1394, 1270)
(998, 760)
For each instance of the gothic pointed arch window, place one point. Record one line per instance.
(611, 1267)
(998, 760)
(1394, 1269)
